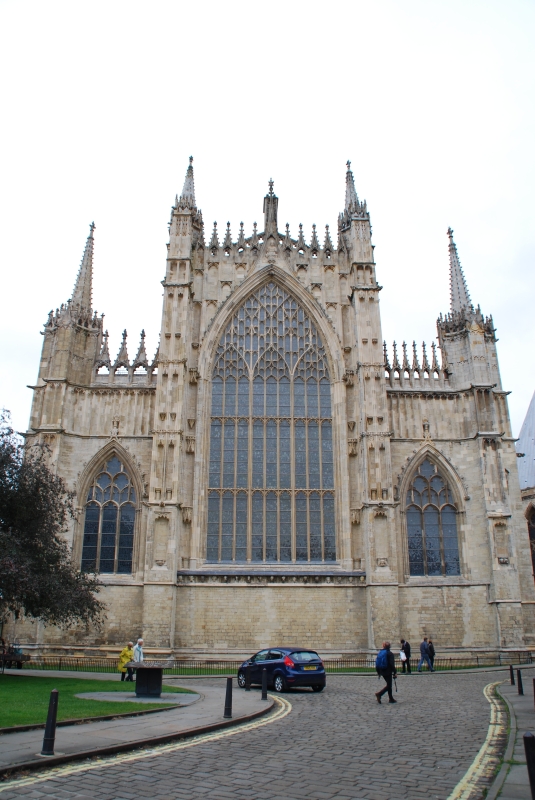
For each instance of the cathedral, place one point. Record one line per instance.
(276, 473)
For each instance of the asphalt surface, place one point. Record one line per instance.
(336, 744)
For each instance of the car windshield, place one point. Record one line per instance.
(305, 655)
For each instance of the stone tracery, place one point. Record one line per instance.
(271, 479)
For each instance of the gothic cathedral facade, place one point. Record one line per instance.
(276, 474)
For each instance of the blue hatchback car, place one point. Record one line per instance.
(286, 667)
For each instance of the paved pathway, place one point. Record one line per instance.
(339, 744)
(203, 708)
(516, 783)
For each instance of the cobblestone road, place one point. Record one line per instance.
(339, 744)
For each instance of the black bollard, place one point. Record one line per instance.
(248, 679)
(50, 729)
(512, 674)
(519, 681)
(264, 684)
(529, 749)
(228, 700)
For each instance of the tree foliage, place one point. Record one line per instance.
(37, 576)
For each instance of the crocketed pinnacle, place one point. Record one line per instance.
(458, 289)
(352, 200)
(81, 296)
(187, 198)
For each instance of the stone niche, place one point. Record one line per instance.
(161, 539)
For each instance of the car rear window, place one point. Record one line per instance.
(305, 655)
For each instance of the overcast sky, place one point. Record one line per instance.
(102, 103)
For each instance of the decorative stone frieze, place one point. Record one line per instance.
(241, 577)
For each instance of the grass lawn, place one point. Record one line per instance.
(24, 700)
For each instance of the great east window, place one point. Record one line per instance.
(431, 524)
(109, 521)
(271, 479)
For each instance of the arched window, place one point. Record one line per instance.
(531, 531)
(432, 524)
(271, 480)
(109, 521)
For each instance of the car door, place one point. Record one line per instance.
(275, 659)
(258, 662)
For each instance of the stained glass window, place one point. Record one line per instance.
(109, 521)
(432, 524)
(271, 478)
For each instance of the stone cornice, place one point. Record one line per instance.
(257, 577)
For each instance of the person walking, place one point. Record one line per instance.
(127, 654)
(424, 655)
(138, 650)
(385, 664)
(431, 653)
(406, 662)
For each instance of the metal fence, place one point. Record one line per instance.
(357, 664)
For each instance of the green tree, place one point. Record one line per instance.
(38, 578)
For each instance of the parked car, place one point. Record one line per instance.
(286, 667)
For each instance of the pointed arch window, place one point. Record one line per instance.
(271, 477)
(531, 531)
(109, 521)
(432, 524)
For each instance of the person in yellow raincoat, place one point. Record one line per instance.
(127, 654)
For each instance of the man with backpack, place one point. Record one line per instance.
(385, 664)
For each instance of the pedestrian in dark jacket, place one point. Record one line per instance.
(431, 653)
(424, 655)
(388, 672)
(406, 648)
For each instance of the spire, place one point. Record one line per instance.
(214, 241)
(271, 202)
(458, 289)
(228, 238)
(241, 238)
(81, 296)
(122, 355)
(141, 357)
(314, 244)
(187, 198)
(104, 359)
(328, 245)
(301, 244)
(352, 200)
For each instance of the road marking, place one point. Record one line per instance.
(484, 765)
(281, 709)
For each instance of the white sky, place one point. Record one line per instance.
(101, 104)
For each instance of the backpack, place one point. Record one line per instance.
(381, 662)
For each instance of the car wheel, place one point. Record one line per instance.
(318, 688)
(241, 680)
(279, 684)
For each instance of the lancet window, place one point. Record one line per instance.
(109, 521)
(271, 495)
(432, 524)
(531, 531)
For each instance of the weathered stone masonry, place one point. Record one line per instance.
(336, 557)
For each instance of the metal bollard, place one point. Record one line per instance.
(248, 679)
(50, 729)
(228, 700)
(519, 681)
(529, 749)
(512, 674)
(264, 684)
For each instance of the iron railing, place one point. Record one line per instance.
(356, 664)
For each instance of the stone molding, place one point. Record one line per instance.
(241, 577)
